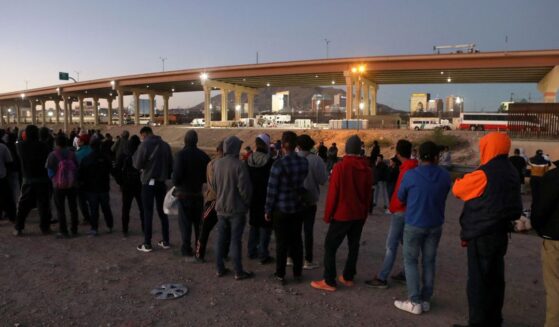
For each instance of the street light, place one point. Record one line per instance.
(359, 71)
(203, 77)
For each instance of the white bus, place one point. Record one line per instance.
(429, 123)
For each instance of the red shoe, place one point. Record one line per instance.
(321, 285)
(348, 283)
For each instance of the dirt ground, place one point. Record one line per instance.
(105, 281)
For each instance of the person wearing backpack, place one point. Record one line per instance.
(128, 178)
(62, 168)
(545, 220)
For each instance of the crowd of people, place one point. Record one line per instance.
(276, 187)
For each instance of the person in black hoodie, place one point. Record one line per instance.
(95, 174)
(128, 178)
(33, 155)
(259, 165)
(189, 175)
(545, 220)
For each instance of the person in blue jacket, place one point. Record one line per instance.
(424, 191)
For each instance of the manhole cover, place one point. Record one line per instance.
(169, 291)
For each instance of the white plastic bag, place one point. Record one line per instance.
(171, 203)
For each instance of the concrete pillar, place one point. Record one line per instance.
(357, 100)
(69, 111)
(18, 114)
(250, 98)
(57, 112)
(165, 110)
(33, 107)
(136, 108)
(152, 107)
(44, 112)
(120, 107)
(373, 91)
(110, 111)
(67, 104)
(80, 102)
(549, 85)
(1, 115)
(366, 100)
(207, 111)
(348, 96)
(238, 105)
(96, 111)
(224, 104)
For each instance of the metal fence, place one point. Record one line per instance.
(534, 120)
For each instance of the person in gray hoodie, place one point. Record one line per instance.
(318, 175)
(233, 189)
(155, 161)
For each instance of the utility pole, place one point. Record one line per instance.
(26, 84)
(327, 47)
(163, 62)
(78, 75)
(257, 57)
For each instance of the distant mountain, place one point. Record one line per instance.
(299, 99)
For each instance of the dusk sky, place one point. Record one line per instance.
(109, 38)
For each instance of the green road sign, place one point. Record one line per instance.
(63, 76)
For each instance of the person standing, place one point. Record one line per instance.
(520, 164)
(323, 151)
(492, 201)
(316, 177)
(155, 162)
(545, 220)
(189, 175)
(539, 166)
(424, 191)
(283, 206)
(62, 168)
(128, 178)
(332, 157)
(7, 203)
(381, 172)
(259, 165)
(121, 144)
(375, 152)
(231, 183)
(398, 209)
(35, 184)
(95, 174)
(392, 176)
(83, 150)
(347, 203)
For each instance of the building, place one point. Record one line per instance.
(435, 105)
(339, 102)
(321, 102)
(454, 104)
(419, 102)
(280, 101)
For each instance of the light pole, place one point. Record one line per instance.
(78, 75)
(327, 47)
(163, 62)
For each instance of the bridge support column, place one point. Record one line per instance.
(96, 111)
(44, 112)
(373, 91)
(57, 111)
(80, 103)
(207, 111)
(67, 104)
(2, 115)
(33, 107)
(348, 96)
(238, 105)
(70, 112)
(357, 100)
(152, 107)
(18, 114)
(165, 110)
(549, 85)
(120, 107)
(250, 101)
(136, 108)
(110, 111)
(224, 104)
(366, 100)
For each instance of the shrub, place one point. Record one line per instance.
(440, 138)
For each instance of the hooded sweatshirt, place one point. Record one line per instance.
(492, 192)
(317, 175)
(33, 156)
(231, 180)
(424, 190)
(259, 165)
(189, 170)
(395, 204)
(154, 159)
(350, 190)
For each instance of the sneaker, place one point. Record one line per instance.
(348, 283)
(144, 248)
(244, 275)
(309, 265)
(164, 245)
(289, 262)
(222, 272)
(399, 277)
(267, 260)
(321, 285)
(387, 212)
(377, 283)
(278, 279)
(426, 306)
(17, 232)
(409, 306)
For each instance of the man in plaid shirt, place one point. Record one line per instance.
(283, 206)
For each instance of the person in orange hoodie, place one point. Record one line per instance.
(492, 201)
(347, 204)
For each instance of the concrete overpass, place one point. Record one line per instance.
(361, 76)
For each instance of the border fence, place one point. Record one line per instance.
(534, 120)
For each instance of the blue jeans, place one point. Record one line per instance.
(258, 242)
(232, 226)
(426, 241)
(150, 194)
(394, 238)
(380, 189)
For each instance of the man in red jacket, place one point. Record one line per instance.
(397, 209)
(347, 204)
